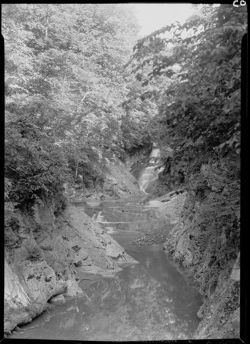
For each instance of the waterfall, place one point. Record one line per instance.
(150, 173)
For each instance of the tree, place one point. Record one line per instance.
(64, 87)
(196, 67)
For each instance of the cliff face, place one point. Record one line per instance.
(47, 252)
(118, 182)
(206, 241)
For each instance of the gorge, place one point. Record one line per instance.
(122, 174)
(150, 298)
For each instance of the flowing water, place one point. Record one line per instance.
(151, 300)
(150, 173)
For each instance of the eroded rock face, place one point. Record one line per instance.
(104, 251)
(169, 206)
(221, 314)
(49, 257)
(118, 182)
(58, 300)
(206, 241)
(27, 290)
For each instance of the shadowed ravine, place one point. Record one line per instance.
(150, 300)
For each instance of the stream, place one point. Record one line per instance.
(151, 300)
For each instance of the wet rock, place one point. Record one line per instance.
(26, 297)
(39, 264)
(57, 300)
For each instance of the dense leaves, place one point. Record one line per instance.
(64, 89)
(194, 70)
(70, 103)
(32, 163)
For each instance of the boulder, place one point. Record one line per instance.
(58, 300)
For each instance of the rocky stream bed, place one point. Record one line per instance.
(150, 299)
(107, 268)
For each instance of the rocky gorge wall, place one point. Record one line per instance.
(118, 182)
(204, 207)
(48, 250)
(206, 241)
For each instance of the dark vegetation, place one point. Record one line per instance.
(65, 87)
(75, 96)
(70, 103)
(193, 73)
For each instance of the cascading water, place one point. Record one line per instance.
(150, 173)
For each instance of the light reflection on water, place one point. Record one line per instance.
(148, 301)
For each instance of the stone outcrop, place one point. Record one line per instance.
(169, 206)
(118, 182)
(47, 254)
(205, 241)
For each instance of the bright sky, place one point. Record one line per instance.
(153, 16)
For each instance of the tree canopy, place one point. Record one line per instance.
(76, 94)
(192, 71)
(64, 89)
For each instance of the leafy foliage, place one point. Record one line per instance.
(194, 70)
(64, 86)
(70, 104)
(34, 166)
(197, 67)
